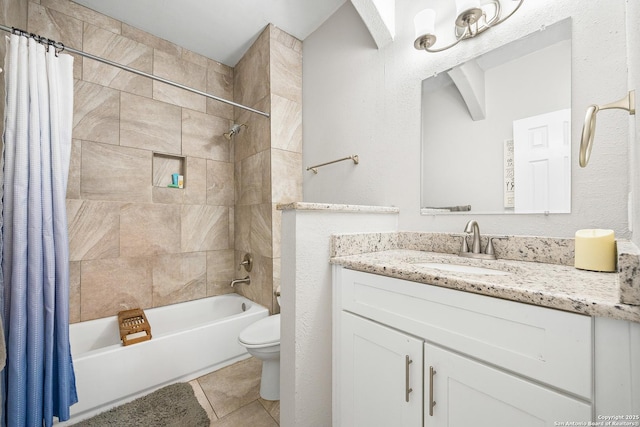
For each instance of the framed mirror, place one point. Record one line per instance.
(496, 130)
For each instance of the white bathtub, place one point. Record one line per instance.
(189, 340)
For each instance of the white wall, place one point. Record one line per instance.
(633, 51)
(360, 100)
(305, 344)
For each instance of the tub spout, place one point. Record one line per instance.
(246, 280)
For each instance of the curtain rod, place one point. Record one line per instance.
(61, 47)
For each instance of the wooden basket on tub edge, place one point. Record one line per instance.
(134, 326)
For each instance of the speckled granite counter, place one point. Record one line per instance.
(540, 283)
(311, 206)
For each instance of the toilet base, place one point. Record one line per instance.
(270, 380)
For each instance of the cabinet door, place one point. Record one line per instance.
(469, 393)
(377, 366)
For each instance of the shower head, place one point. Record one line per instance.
(235, 129)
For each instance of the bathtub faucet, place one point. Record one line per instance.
(246, 280)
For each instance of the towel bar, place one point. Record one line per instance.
(355, 159)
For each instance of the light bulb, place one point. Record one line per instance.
(424, 22)
(465, 5)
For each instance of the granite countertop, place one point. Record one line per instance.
(310, 206)
(556, 286)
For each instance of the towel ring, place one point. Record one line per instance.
(627, 103)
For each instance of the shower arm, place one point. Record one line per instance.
(235, 130)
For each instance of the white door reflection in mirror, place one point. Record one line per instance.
(542, 155)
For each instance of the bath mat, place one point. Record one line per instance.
(171, 406)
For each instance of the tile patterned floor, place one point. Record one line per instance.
(231, 397)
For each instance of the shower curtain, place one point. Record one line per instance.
(38, 380)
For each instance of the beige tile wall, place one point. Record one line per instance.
(268, 155)
(286, 130)
(135, 244)
(253, 230)
(132, 243)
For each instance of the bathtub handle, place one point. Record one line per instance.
(246, 280)
(247, 262)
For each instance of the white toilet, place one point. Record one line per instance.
(262, 340)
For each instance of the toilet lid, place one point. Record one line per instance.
(263, 332)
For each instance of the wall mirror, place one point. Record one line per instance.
(496, 130)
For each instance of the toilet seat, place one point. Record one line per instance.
(263, 333)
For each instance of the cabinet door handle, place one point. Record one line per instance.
(432, 402)
(407, 390)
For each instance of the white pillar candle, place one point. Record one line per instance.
(464, 5)
(425, 22)
(595, 250)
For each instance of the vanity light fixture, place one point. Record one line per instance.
(628, 103)
(472, 19)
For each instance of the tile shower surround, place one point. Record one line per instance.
(135, 244)
(268, 154)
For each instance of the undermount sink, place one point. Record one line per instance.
(458, 268)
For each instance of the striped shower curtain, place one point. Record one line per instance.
(38, 381)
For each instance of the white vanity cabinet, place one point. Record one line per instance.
(484, 361)
(382, 374)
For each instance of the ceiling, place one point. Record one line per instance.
(222, 30)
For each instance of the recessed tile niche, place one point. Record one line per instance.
(164, 165)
